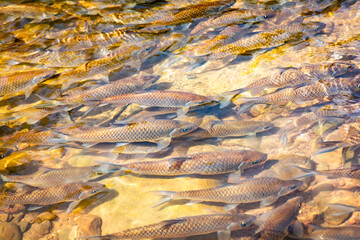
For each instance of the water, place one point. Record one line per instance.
(164, 49)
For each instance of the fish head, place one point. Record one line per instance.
(315, 27)
(184, 128)
(245, 220)
(91, 189)
(96, 173)
(290, 186)
(44, 75)
(254, 158)
(295, 203)
(264, 126)
(337, 69)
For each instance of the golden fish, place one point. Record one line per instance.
(276, 222)
(18, 83)
(207, 163)
(185, 226)
(159, 131)
(265, 190)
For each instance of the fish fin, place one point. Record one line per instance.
(72, 206)
(234, 177)
(163, 143)
(28, 92)
(242, 108)
(192, 202)
(181, 112)
(47, 102)
(223, 235)
(176, 163)
(34, 207)
(296, 228)
(167, 197)
(268, 201)
(229, 207)
(226, 100)
(341, 209)
(88, 145)
(328, 147)
(168, 223)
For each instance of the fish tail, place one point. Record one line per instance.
(341, 209)
(107, 167)
(47, 102)
(167, 196)
(284, 138)
(306, 172)
(327, 147)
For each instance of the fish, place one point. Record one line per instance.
(49, 177)
(206, 163)
(119, 87)
(32, 115)
(273, 37)
(352, 139)
(265, 190)
(81, 42)
(276, 222)
(335, 233)
(27, 136)
(28, 11)
(47, 57)
(352, 172)
(185, 227)
(230, 18)
(98, 68)
(316, 90)
(227, 36)
(293, 77)
(327, 112)
(22, 82)
(159, 131)
(70, 192)
(192, 12)
(160, 98)
(236, 128)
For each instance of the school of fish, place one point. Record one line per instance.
(193, 119)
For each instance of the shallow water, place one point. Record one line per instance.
(130, 197)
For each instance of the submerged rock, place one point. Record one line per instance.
(10, 231)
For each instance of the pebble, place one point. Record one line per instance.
(89, 224)
(9, 231)
(37, 230)
(23, 225)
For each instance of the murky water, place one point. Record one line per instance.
(98, 84)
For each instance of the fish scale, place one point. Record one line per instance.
(186, 226)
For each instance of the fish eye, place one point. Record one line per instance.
(148, 48)
(358, 86)
(293, 186)
(185, 129)
(99, 173)
(93, 191)
(243, 224)
(266, 16)
(255, 162)
(299, 206)
(266, 128)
